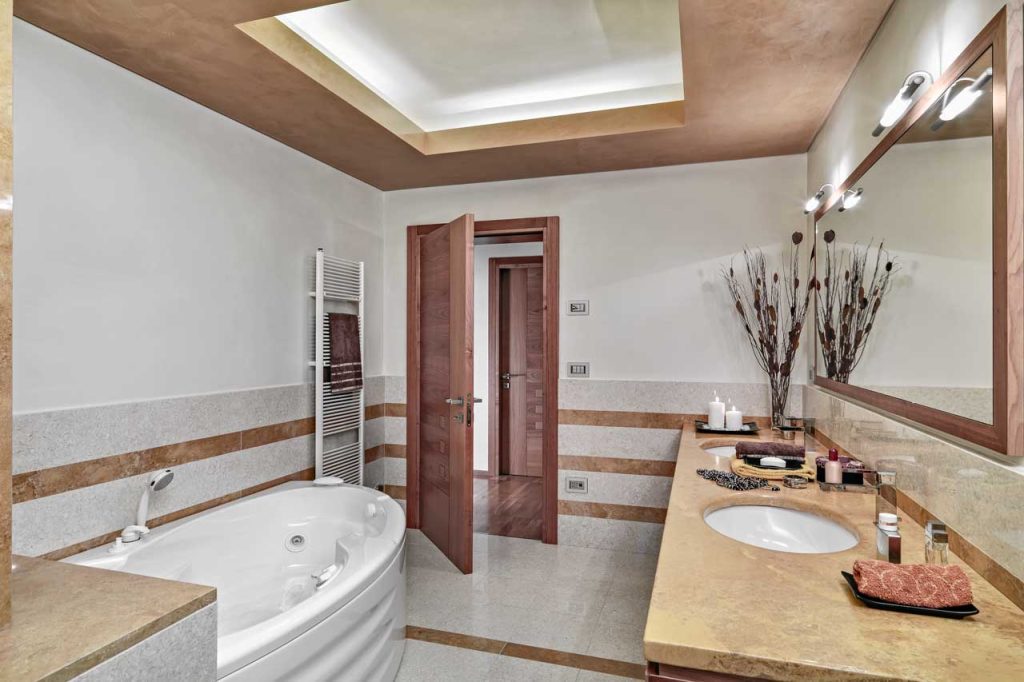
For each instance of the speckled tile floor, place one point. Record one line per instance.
(570, 599)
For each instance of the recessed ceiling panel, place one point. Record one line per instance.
(447, 64)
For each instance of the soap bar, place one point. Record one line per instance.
(776, 462)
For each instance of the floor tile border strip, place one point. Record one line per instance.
(71, 550)
(639, 420)
(527, 652)
(607, 510)
(617, 465)
(32, 485)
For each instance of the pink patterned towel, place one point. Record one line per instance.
(928, 585)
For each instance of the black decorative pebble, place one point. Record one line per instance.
(729, 480)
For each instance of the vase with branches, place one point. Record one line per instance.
(773, 307)
(849, 296)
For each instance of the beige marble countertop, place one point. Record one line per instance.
(725, 606)
(66, 618)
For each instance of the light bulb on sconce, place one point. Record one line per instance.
(814, 202)
(851, 198)
(951, 108)
(902, 101)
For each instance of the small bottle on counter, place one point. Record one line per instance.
(936, 543)
(889, 540)
(833, 468)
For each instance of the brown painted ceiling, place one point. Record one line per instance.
(760, 75)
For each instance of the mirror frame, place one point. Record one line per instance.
(1006, 434)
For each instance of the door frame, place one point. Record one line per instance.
(542, 229)
(494, 268)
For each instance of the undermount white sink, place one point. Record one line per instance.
(781, 529)
(721, 450)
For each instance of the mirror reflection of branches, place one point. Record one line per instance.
(849, 295)
(773, 307)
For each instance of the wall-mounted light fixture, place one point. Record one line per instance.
(951, 108)
(851, 198)
(814, 202)
(902, 101)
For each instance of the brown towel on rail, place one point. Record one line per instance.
(346, 357)
(783, 450)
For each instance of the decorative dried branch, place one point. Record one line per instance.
(773, 309)
(847, 307)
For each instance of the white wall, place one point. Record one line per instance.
(160, 248)
(481, 349)
(646, 247)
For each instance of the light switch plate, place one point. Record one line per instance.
(578, 370)
(579, 308)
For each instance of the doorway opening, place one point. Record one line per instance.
(508, 493)
(445, 481)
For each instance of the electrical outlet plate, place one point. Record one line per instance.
(576, 484)
(578, 370)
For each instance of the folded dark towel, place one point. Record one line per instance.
(783, 450)
(346, 356)
(929, 585)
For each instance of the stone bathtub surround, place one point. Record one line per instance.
(978, 497)
(819, 630)
(68, 620)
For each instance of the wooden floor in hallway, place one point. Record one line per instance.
(508, 505)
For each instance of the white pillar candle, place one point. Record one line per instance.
(716, 413)
(733, 419)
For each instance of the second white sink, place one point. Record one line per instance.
(781, 529)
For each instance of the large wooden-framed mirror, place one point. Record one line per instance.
(920, 257)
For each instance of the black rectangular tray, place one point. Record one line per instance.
(754, 461)
(748, 427)
(948, 612)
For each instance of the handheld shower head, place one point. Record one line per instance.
(158, 480)
(161, 479)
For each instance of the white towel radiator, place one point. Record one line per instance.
(337, 288)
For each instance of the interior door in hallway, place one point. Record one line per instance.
(442, 260)
(521, 366)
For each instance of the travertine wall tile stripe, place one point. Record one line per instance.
(32, 485)
(384, 410)
(395, 491)
(57, 437)
(373, 454)
(621, 512)
(639, 420)
(71, 550)
(617, 465)
(642, 420)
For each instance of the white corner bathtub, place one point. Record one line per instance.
(261, 553)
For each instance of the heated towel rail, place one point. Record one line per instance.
(337, 288)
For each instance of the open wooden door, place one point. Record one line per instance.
(441, 260)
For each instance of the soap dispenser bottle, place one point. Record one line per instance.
(833, 468)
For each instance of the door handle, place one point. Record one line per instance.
(460, 401)
(506, 376)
